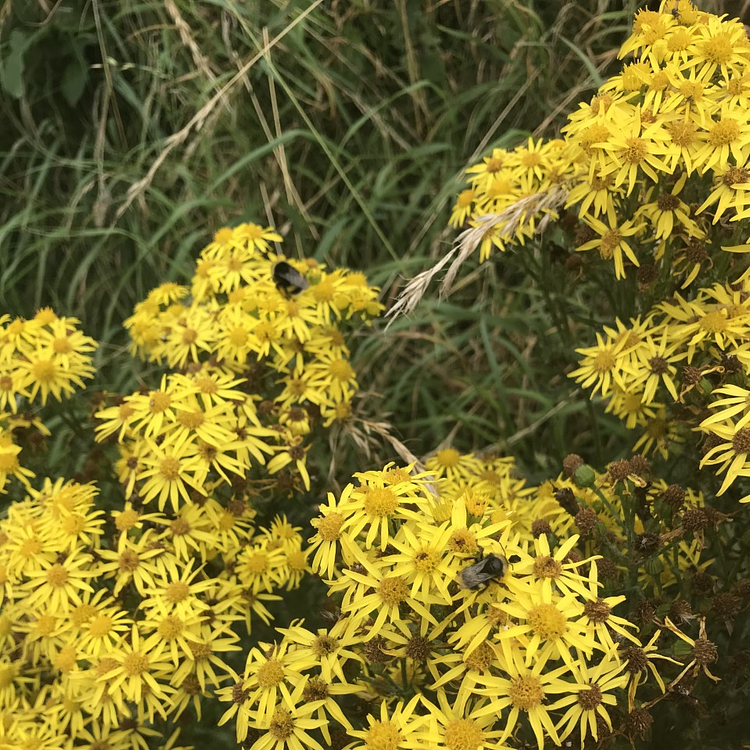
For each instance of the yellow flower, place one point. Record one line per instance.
(135, 561)
(547, 623)
(656, 361)
(395, 729)
(732, 191)
(167, 473)
(331, 650)
(139, 673)
(603, 366)
(612, 243)
(454, 727)
(462, 209)
(668, 211)
(592, 692)
(639, 661)
(9, 463)
(730, 453)
(526, 691)
(58, 584)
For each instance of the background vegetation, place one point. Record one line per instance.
(131, 131)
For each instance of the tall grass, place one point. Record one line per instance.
(132, 131)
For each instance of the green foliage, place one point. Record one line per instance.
(350, 134)
(130, 127)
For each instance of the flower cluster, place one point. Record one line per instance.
(654, 166)
(42, 357)
(454, 623)
(120, 613)
(660, 373)
(114, 623)
(257, 357)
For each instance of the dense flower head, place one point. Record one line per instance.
(650, 167)
(491, 629)
(125, 625)
(42, 357)
(121, 608)
(679, 369)
(466, 607)
(258, 358)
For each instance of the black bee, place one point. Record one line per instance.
(490, 568)
(288, 279)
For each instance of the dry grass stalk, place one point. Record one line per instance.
(199, 118)
(545, 202)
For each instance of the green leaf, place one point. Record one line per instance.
(11, 75)
(73, 82)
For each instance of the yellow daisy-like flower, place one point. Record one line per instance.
(58, 584)
(168, 471)
(730, 453)
(604, 366)
(139, 672)
(657, 360)
(593, 691)
(612, 241)
(547, 623)
(399, 727)
(525, 691)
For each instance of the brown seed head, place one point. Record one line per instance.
(674, 496)
(635, 659)
(639, 465)
(574, 556)
(726, 605)
(540, 526)
(374, 650)
(710, 442)
(741, 589)
(680, 611)
(701, 583)
(583, 234)
(638, 722)
(586, 520)
(418, 649)
(607, 569)
(695, 251)
(691, 375)
(705, 652)
(694, 519)
(619, 470)
(315, 690)
(239, 695)
(740, 663)
(570, 463)
(266, 407)
(644, 611)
